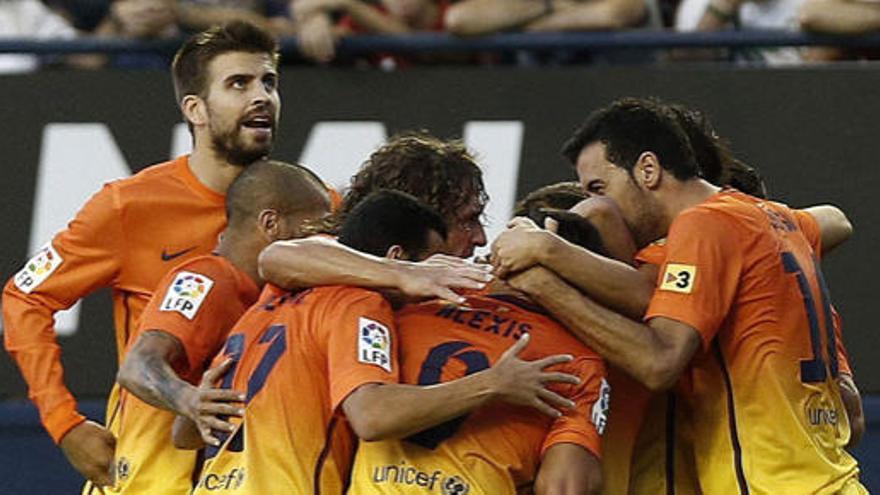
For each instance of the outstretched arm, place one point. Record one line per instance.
(321, 261)
(840, 17)
(620, 340)
(591, 16)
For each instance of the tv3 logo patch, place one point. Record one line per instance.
(374, 343)
(679, 278)
(186, 294)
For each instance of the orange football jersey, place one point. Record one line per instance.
(297, 357)
(125, 237)
(496, 449)
(198, 302)
(763, 405)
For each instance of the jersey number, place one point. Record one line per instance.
(432, 370)
(814, 370)
(276, 338)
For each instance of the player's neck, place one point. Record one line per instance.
(686, 195)
(242, 251)
(212, 170)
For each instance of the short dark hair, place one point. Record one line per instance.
(717, 163)
(385, 218)
(561, 196)
(574, 229)
(629, 127)
(744, 178)
(272, 184)
(189, 69)
(442, 173)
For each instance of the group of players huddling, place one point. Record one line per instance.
(335, 345)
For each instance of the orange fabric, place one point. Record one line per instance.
(498, 447)
(810, 228)
(298, 357)
(220, 294)
(232, 292)
(116, 240)
(741, 272)
(652, 254)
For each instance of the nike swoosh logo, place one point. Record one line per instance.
(170, 256)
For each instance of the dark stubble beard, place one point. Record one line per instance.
(229, 145)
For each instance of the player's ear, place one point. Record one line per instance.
(194, 110)
(269, 223)
(395, 252)
(647, 170)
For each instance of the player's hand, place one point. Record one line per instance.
(210, 408)
(439, 275)
(524, 382)
(317, 39)
(519, 247)
(90, 448)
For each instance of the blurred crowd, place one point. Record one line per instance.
(320, 24)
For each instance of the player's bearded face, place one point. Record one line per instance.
(641, 212)
(243, 106)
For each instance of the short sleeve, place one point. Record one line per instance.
(810, 228)
(842, 354)
(197, 302)
(652, 254)
(584, 423)
(361, 343)
(700, 276)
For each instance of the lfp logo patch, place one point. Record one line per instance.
(374, 343)
(38, 269)
(186, 294)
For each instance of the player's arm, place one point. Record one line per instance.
(612, 283)
(590, 16)
(852, 402)
(382, 411)
(476, 17)
(622, 341)
(834, 227)
(148, 372)
(317, 261)
(568, 469)
(840, 17)
(84, 257)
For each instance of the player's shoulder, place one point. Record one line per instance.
(339, 297)
(152, 178)
(212, 265)
(725, 209)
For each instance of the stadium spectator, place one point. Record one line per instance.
(318, 34)
(150, 19)
(476, 17)
(842, 17)
(29, 19)
(715, 15)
